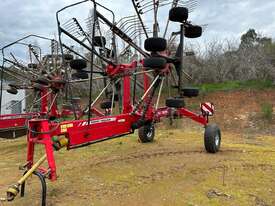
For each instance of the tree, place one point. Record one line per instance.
(249, 39)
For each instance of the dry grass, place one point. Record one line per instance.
(174, 170)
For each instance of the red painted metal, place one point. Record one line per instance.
(39, 134)
(16, 121)
(127, 107)
(10, 122)
(103, 127)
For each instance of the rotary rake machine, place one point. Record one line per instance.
(136, 86)
(40, 76)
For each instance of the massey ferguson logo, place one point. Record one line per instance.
(81, 124)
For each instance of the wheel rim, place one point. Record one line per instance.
(150, 132)
(217, 139)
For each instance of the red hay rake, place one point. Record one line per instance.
(135, 86)
(39, 75)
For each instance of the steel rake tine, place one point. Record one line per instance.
(187, 2)
(70, 28)
(68, 24)
(122, 25)
(131, 27)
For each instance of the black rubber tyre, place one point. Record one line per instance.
(99, 41)
(190, 92)
(68, 57)
(43, 81)
(212, 138)
(155, 44)
(146, 133)
(14, 85)
(193, 31)
(32, 66)
(175, 102)
(80, 75)
(78, 64)
(155, 62)
(178, 14)
(106, 105)
(12, 90)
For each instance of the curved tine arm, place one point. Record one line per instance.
(188, 2)
(135, 24)
(24, 44)
(113, 14)
(121, 26)
(21, 39)
(189, 7)
(150, 3)
(150, 32)
(80, 2)
(160, 5)
(140, 19)
(142, 5)
(58, 22)
(68, 6)
(164, 4)
(144, 12)
(113, 33)
(126, 17)
(136, 30)
(25, 37)
(71, 5)
(147, 6)
(38, 47)
(31, 48)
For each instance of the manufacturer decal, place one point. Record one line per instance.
(64, 127)
(112, 119)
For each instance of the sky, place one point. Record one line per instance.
(225, 19)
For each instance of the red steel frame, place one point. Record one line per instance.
(81, 132)
(18, 121)
(10, 122)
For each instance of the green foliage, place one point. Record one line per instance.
(249, 38)
(234, 85)
(267, 111)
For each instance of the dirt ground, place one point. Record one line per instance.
(173, 170)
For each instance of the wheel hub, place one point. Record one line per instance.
(217, 140)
